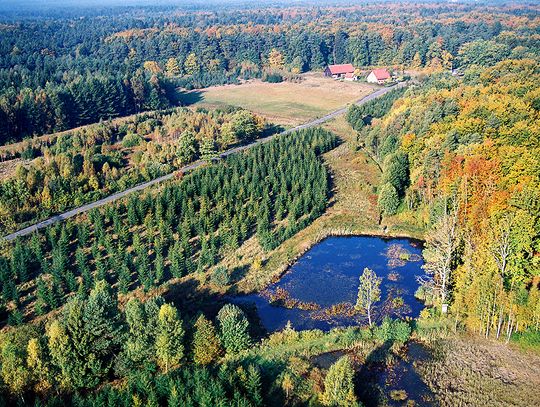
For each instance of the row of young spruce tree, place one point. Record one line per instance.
(272, 191)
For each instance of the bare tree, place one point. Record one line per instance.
(501, 247)
(441, 244)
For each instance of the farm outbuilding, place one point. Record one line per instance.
(339, 71)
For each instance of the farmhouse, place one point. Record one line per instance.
(378, 76)
(339, 71)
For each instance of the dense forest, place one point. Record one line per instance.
(167, 358)
(461, 157)
(138, 302)
(61, 73)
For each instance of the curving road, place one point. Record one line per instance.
(187, 168)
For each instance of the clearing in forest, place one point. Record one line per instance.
(286, 103)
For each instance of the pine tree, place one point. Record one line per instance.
(339, 385)
(159, 267)
(124, 279)
(84, 340)
(15, 317)
(233, 329)
(177, 259)
(20, 261)
(253, 385)
(388, 200)
(84, 269)
(139, 345)
(42, 292)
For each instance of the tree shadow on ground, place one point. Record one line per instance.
(272, 128)
(190, 298)
(384, 373)
(366, 379)
(237, 274)
(187, 98)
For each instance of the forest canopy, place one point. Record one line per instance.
(65, 72)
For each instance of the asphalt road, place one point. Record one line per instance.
(187, 168)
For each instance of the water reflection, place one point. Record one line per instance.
(320, 289)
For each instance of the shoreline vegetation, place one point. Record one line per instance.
(137, 302)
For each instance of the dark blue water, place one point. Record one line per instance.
(329, 273)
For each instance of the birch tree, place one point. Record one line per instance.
(369, 292)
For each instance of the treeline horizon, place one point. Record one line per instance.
(56, 75)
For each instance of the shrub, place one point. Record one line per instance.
(398, 395)
(272, 77)
(392, 331)
(221, 277)
(527, 340)
(131, 140)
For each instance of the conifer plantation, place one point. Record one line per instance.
(182, 228)
(82, 165)
(169, 238)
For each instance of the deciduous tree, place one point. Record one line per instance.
(369, 292)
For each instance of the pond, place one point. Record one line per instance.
(319, 291)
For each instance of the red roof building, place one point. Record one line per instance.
(378, 76)
(338, 71)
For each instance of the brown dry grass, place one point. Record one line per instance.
(287, 103)
(479, 372)
(7, 168)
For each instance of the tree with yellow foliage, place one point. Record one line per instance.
(191, 65)
(40, 370)
(152, 66)
(206, 345)
(169, 337)
(275, 59)
(172, 67)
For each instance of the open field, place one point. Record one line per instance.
(479, 372)
(285, 103)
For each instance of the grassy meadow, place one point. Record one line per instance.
(286, 103)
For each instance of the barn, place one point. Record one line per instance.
(338, 71)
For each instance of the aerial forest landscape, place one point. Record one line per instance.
(269, 203)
